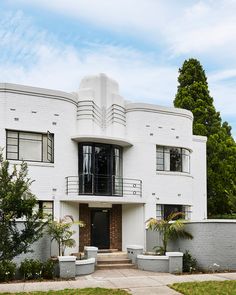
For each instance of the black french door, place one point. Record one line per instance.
(100, 169)
(100, 228)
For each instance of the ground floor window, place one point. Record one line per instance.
(163, 211)
(46, 208)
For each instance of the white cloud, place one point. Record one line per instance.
(60, 66)
(192, 27)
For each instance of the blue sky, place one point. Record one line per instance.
(139, 43)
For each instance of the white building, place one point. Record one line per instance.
(108, 162)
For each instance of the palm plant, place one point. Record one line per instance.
(169, 229)
(61, 232)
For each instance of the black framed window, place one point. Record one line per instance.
(46, 209)
(29, 146)
(172, 159)
(163, 211)
(100, 169)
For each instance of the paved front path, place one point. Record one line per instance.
(133, 280)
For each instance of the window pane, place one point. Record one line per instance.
(159, 158)
(116, 152)
(48, 148)
(159, 212)
(175, 159)
(12, 148)
(30, 136)
(169, 209)
(87, 149)
(12, 141)
(13, 134)
(167, 159)
(87, 164)
(30, 150)
(185, 163)
(12, 156)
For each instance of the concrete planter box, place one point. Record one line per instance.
(133, 251)
(91, 252)
(172, 262)
(84, 266)
(67, 267)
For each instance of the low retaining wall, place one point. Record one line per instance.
(214, 242)
(172, 262)
(84, 267)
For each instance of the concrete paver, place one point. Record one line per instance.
(134, 280)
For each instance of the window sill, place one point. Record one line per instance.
(40, 164)
(174, 173)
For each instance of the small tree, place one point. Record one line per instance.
(169, 229)
(17, 202)
(61, 232)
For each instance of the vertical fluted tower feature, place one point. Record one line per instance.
(100, 107)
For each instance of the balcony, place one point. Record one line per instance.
(103, 185)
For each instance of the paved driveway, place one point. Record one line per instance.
(133, 280)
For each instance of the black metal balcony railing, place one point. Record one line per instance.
(103, 185)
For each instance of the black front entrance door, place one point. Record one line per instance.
(100, 233)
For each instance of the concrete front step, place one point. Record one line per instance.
(115, 266)
(113, 261)
(108, 250)
(118, 255)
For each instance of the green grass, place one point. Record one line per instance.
(86, 291)
(206, 288)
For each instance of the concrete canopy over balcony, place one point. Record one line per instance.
(102, 139)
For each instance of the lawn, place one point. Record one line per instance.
(86, 291)
(209, 288)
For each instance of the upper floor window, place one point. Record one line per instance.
(100, 169)
(172, 159)
(29, 146)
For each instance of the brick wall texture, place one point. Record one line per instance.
(115, 227)
(212, 243)
(85, 232)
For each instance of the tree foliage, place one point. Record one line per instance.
(169, 229)
(193, 94)
(17, 202)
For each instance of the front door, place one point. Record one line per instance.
(100, 232)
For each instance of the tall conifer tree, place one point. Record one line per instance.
(193, 94)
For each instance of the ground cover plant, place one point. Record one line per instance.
(209, 288)
(86, 291)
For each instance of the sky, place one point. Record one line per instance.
(139, 43)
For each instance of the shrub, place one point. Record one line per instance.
(7, 270)
(31, 269)
(48, 269)
(189, 262)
